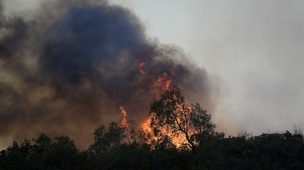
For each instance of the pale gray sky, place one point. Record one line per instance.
(254, 48)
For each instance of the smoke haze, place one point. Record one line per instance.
(68, 66)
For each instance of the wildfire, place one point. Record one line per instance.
(124, 121)
(165, 81)
(177, 140)
(160, 84)
(148, 131)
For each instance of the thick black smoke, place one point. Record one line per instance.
(69, 67)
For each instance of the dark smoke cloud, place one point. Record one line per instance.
(68, 68)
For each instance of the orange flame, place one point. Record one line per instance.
(177, 140)
(147, 130)
(161, 84)
(124, 121)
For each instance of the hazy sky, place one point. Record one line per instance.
(253, 48)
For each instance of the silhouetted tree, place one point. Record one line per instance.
(62, 154)
(108, 139)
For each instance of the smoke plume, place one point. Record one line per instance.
(69, 67)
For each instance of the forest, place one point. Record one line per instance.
(178, 136)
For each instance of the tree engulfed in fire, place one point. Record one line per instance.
(177, 139)
(160, 84)
(170, 118)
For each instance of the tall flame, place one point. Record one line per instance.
(124, 121)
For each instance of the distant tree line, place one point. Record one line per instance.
(115, 147)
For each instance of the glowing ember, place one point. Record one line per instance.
(124, 121)
(141, 68)
(160, 85)
(165, 81)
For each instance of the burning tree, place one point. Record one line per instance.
(171, 117)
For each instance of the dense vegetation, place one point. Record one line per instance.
(115, 147)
